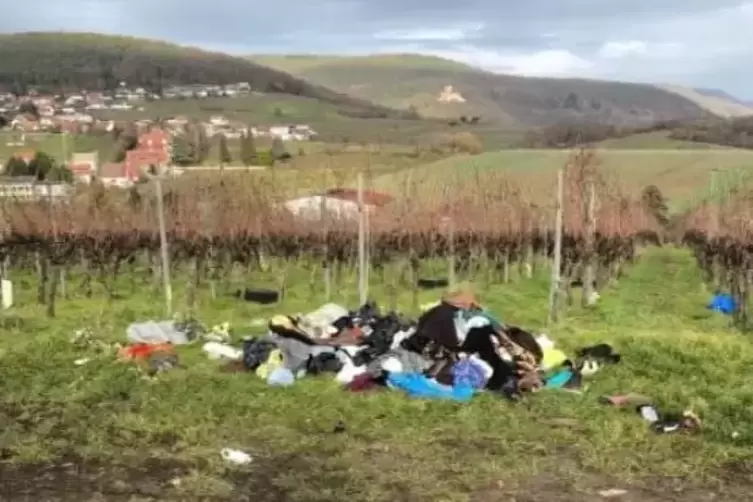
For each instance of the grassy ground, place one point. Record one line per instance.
(56, 144)
(101, 431)
(682, 175)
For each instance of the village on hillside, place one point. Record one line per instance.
(79, 113)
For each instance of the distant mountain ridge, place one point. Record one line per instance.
(61, 60)
(416, 82)
(724, 95)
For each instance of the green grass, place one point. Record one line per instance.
(682, 175)
(57, 145)
(161, 438)
(659, 140)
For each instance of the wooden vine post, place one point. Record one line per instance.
(554, 292)
(363, 286)
(589, 269)
(164, 245)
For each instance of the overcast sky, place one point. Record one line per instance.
(704, 43)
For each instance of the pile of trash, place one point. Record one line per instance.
(454, 350)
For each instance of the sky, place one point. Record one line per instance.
(700, 43)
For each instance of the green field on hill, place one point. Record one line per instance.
(680, 174)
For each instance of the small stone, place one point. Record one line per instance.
(612, 492)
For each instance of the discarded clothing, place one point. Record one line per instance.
(142, 351)
(468, 373)
(559, 379)
(319, 323)
(296, 347)
(604, 353)
(157, 332)
(484, 342)
(256, 351)
(399, 361)
(326, 362)
(419, 386)
(365, 382)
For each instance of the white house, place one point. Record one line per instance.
(292, 132)
(28, 188)
(336, 203)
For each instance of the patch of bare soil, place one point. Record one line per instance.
(70, 479)
(594, 488)
(283, 478)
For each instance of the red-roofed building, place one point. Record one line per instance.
(370, 198)
(154, 149)
(84, 165)
(158, 142)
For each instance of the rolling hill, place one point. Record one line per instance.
(67, 61)
(717, 102)
(412, 81)
(682, 174)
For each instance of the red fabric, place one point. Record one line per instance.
(361, 383)
(144, 350)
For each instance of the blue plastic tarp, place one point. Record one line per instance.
(723, 303)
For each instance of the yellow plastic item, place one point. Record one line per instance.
(552, 358)
(274, 361)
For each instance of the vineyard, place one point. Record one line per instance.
(719, 232)
(76, 421)
(486, 223)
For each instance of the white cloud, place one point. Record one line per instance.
(446, 34)
(619, 49)
(559, 63)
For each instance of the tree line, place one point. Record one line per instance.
(192, 147)
(732, 132)
(42, 167)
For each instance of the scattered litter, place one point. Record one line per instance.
(158, 332)
(723, 303)
(219, 333)
(339, 427)
(613, 492)
(159, 363)
(82, 361)
(217, 350)
(142, 351)
(625, 400)
(281, 377)
(687, 422)
(649, 413)
(236, 456)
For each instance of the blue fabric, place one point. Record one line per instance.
(723, 303)
(559, 379)
(468, 314)
(419, 386)
(281, 377)
(468, 373)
